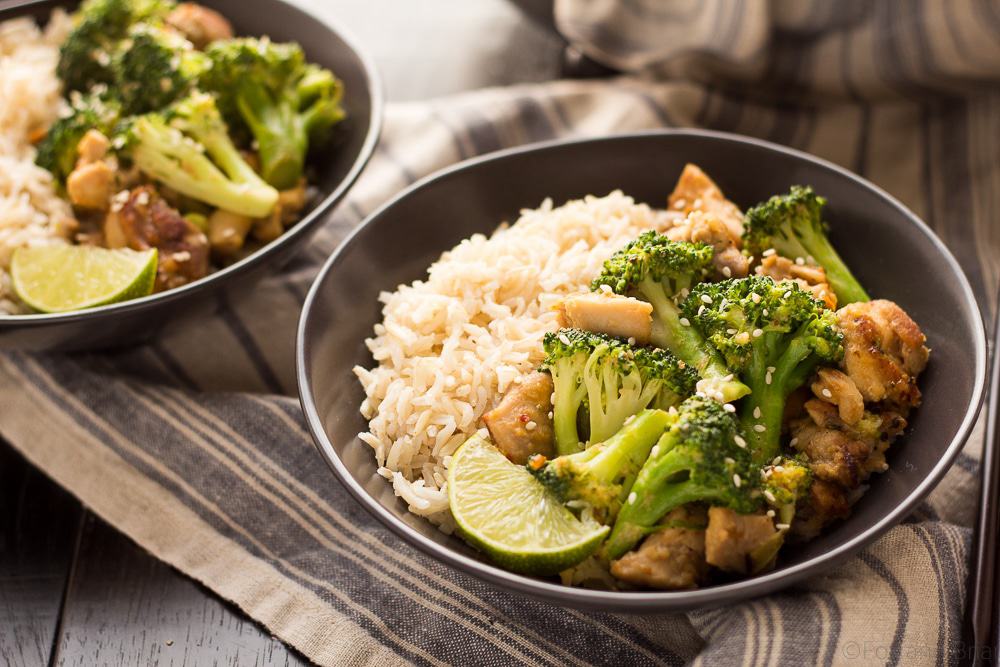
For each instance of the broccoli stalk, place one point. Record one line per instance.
(659, 270)
(609, 381)
(174, 152)
(774, 335)
(285, 103)
(699, 459)
(601, 476)
(793, 226)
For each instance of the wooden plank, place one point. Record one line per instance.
(123, 607)
(39, 525)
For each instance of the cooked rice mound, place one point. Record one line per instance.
(450, 346)
(30, 210)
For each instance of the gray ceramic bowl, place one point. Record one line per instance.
(892, 252)
(335, 169)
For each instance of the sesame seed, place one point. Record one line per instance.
(706, 298)
(700, 394)
(731, 332)
(757, 333)
(740, 442)
(730, 460)
(530, 426)
(770, 497)
(655, 450)
(672, 410)
(767, 378)
(755, 297)
(765, 312)
(782, 526)
(779, 468)
(483, 433)
(727, 272)
(776, 461)
(770, 513)
(769, 252)
(750, 259)
(736, 480)
(771, 369)
(685, 322)
(800, 261)
(550, 414)
(728, 407)
(756, 412)
(787, 294)
(631, 498)
(564, 339)
(701, 309)
(760, 428)
(606, 289)
(552, 398)
(826, 393)
(794, 442)
(631, 340)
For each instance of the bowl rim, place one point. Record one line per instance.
(645, 601)
(303, 226)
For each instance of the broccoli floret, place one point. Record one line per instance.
(607, 381)
(701, 458)
(793, 226)
(773, 335)
(85, 57)
(601, 476)
(661, 271)
(175, 148)
(155, 67)
(285, 103)
(786, 480)
(57, 152)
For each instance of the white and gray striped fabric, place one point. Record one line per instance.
(194, 446)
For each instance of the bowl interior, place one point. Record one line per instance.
(894, 255)
(331, 169)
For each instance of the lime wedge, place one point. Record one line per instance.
(55, 279)
(500, 508)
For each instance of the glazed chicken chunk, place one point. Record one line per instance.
(884, 352)
(520, 425)
(92, 181)
(809, 278)
(608, 313)
(734, 542)
(826, 502)
(695, 191)
(672, 558)
(200, 25)
(140, 219)
(836, 388)
(701, 227)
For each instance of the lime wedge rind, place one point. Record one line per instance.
(65, 278)
(506, 513)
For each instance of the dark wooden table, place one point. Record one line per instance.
(75, 591)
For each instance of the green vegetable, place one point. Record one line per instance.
(189, 150)
(786, 482)
(660, 271)
(285, 103)
(793, 226)
(607, 381)
(57, 152)
(154, 68)
(701, 458)
(773, 335)
(601, 476)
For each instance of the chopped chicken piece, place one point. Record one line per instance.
(92, 147)
(835, 387)
(699, 227)
(608, 313)
(810, 278)
(842, 453)
(672, 558)
(732, 541)
(143, 220)
(199, 24)
(825, 503)
(520, 425)
(90, 185)
(884, 352)
(695, 191)
(227, 232)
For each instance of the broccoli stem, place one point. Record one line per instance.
(689, 345)
(654, 497)
(569, 394)
(844, 284)
(767, 399)
(281, 136)
(623, 454)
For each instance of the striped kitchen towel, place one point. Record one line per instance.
(193, 445)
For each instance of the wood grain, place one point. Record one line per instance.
(123, 607)
(39, 524)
